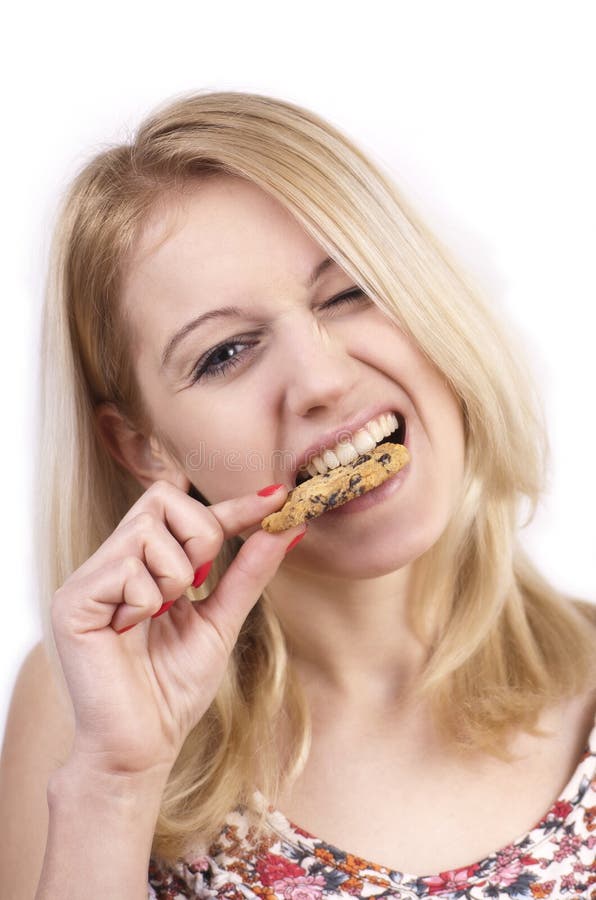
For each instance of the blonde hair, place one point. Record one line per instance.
(504, 643)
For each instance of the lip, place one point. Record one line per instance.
(332, 437)
(372, 498)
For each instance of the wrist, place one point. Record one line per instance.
(96, 816)
(79, 781)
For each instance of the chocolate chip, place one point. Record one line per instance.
(354, 480)
(385, 458)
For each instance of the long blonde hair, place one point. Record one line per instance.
(504, 642)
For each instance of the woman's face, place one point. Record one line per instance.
(274, 368)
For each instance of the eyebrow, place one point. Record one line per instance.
(230, 312)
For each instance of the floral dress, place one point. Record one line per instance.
(556, 859)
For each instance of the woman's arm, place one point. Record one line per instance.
(136, 694)
(93, 831)
(37, 741)
(100, 834)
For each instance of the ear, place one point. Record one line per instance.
(143, 456)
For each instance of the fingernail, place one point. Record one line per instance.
(128, 627)
(201, 574)
(295, 541)
(270, 489)
(163, 608)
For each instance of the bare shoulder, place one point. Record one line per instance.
(37, 741)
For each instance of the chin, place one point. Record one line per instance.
(376, 555)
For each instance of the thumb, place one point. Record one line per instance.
(240, 587)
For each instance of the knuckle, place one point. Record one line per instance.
(145, 523)
(131, 566)
(160, 488)
(212, 532)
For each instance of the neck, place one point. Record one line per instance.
(350, 638)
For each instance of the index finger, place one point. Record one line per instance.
(197, 529)
(201, 529)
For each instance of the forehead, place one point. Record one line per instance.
(215, 228)
(218, 242)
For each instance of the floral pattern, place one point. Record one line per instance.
(555, 860)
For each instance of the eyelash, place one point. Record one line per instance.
(203, 370)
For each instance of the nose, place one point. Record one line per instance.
(317, 369)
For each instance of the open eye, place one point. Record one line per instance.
(222, 358)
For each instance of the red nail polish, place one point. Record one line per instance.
(128, 627)
(201, 574)
(295, 541)
(270, 489)
(163, 608)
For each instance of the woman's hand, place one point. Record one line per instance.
(137, 695)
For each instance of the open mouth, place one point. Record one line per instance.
(378, 430)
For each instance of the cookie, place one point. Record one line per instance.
(337, 486)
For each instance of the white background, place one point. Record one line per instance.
(483, 112)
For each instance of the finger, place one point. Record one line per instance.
(179, 511)
(147, 538)
(200, 530)
(239, 513)
(91, 602)
(238, 590)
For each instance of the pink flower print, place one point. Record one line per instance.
(304, 887)
(506, 871)
(452, 880)
(568, 846)
(272, 868)
(568, 882)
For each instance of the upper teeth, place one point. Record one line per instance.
(344, 452)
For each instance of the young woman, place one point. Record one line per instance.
(235, 291)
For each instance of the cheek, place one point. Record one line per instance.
(449, 430)
(381, 344)
(231, 458)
